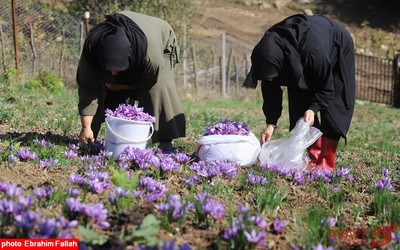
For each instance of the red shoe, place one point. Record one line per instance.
(314, 151)
(327, 157)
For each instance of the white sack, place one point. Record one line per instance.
(243, 150)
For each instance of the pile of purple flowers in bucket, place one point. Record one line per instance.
(226, 127)
(131, 112)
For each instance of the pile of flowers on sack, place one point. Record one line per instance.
(131, 112)
(226, 127)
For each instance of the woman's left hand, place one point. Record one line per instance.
(309, 117)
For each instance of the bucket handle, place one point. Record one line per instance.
(124, 139)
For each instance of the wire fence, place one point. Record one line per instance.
(46, 40)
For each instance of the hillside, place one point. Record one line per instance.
(244, 24)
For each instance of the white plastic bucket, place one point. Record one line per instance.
(121, 133)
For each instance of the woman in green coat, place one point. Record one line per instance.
(130, 56)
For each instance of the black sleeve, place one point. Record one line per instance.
(90, 87)
(272, 105)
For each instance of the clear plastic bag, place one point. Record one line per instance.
(243, 150)
(291, 152)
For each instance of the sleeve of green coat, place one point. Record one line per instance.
(89, 87)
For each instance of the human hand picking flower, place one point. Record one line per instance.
(266, 135)
(86, 135)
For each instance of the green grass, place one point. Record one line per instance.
(373, 144)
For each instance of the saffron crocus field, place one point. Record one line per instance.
(53, 187)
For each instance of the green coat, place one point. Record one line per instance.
(156, 91)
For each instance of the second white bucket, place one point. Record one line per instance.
(121, 133)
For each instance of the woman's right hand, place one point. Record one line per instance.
(266, 135)
(86, 136)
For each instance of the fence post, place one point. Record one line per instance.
(184, 50)
(223, 65)
(3, 48)
(14, 14)
(396, 94)
(86, 15)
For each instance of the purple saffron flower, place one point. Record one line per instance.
(43, 143)
(138, 193)
(230, 233)
(118, 193)
(350, 177)
(168, 163)
(13, 158)
(185, 247)
(384, 183)
(65, 224)
(47, 229)
(216, 209)
(139, 158)
(100, 176)
(255, 179)
(74, 192)
(192, 181)
(48, 163)
(214, 168)
(26, 220)
(154, 189)
(168, 246)
(98, 213)
(77, 179)
(336, 188)
(105, 154)
(43, 192)
(4, 186)
(182, 158)
(13, 191)
(385, 172)
(130, 112)
(8, 206)
(65, 235)
(278, 226)
(26, 201)
(329, 222)
(256, 237)
(321, 247)
(298, 179)
(75, 206)
(174, 207)
(259, 221)
(243, 209)
(73, 147)
(226, 127)
(24, 154)
(396, 238)
(209, 206)
(70, 154)
(97, 186)
(270, 167)
(343, 172)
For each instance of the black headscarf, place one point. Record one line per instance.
(267, 57)
(117, 43)
(283, 43)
